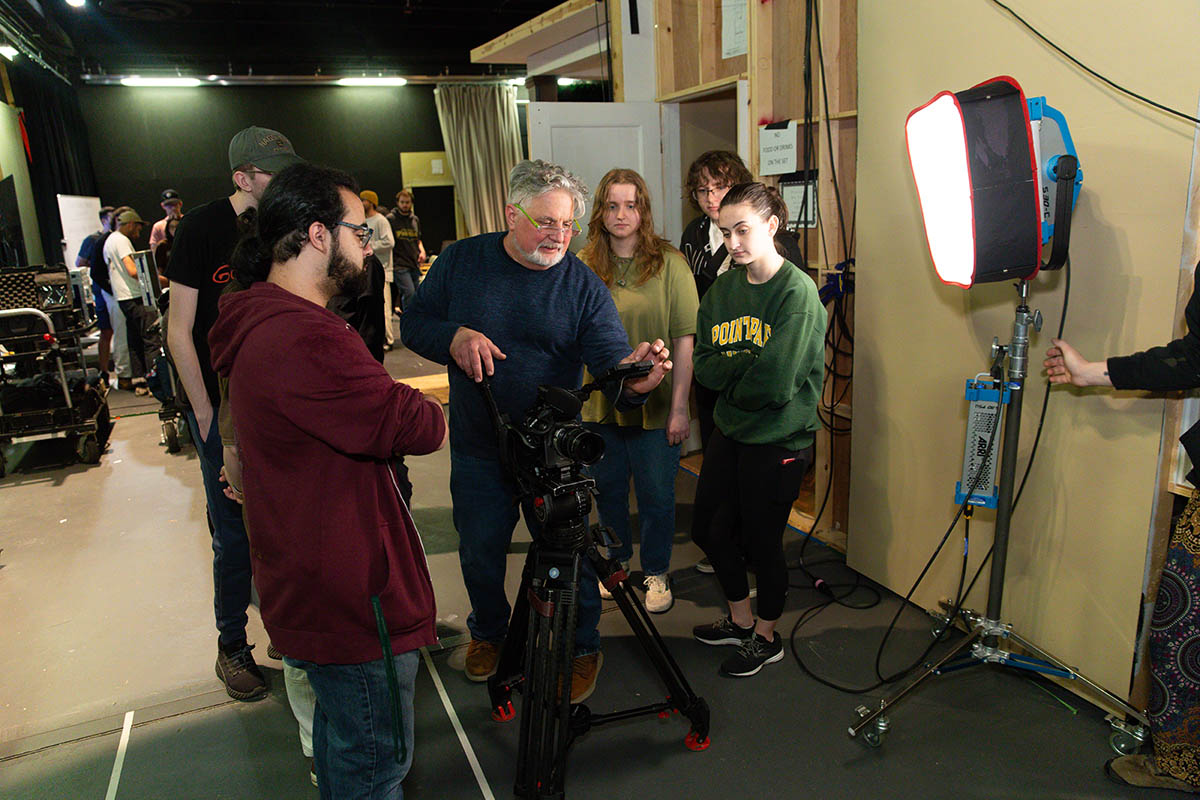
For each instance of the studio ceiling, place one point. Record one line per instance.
(265, 37)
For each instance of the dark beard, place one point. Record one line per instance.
(348, 279)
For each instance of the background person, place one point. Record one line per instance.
(1175, 704)
(761, 345)
(409, 253)
(172, 206)
(656, 299)
(127, 290)
(382, 243)
(199, 270)
(91, 258)
(519, 307)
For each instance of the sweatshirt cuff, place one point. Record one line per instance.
(1122, 372)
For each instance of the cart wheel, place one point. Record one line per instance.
(103, 425)
(171, 434)
(872, 738)
(88, 449)
(1123, 744)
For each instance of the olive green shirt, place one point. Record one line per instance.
(663, 307)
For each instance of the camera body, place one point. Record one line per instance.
(546, 452)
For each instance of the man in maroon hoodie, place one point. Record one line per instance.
(334, 551)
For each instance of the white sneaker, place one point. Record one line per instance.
(658, 594)
(605, 594)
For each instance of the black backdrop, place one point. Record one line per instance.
(145, 140)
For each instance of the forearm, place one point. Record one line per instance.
(1095, 373)
(681, 358)
(187, 365)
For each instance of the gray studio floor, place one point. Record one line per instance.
(107, 687)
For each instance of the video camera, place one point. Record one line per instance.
(546, 453)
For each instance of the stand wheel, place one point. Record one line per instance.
(872, 738)
(88, 449)
(171, 435)
(693, 742)
(1123, 743)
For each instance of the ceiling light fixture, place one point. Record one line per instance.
(76, 3)
(8, 51)
(380, 81)
(568, 81)
(135, 80)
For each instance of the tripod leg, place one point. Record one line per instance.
(679, 693)
(510, 664)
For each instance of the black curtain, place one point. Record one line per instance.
(60, 162)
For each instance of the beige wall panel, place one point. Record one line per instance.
(1079, 537)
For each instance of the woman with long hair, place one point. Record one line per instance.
(655, 296)
(760, 343)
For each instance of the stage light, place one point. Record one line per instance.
(162, 83)
(76, 3)
(379, 81)
(989, 173)
(8, 51)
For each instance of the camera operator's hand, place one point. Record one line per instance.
(474, 353)
(659, 355)
(1064, 364)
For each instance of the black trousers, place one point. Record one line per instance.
(135, 320)
(743, 499)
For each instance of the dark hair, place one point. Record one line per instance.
(105, 211)
(294, 199)
(721, 165)
(765, 200)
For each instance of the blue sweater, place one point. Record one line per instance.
(549, 323)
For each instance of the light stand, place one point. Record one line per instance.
(981, 646)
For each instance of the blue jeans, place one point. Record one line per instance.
(231, 548)
(352, 727)
(646, 456)
(485, 514)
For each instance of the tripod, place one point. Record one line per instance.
(537, 656)
(982, 645)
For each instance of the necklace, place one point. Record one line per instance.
(623, 264)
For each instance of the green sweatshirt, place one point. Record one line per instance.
(762, 346)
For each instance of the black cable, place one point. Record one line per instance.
(1093, 72)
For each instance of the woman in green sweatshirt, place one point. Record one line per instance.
(760, 343)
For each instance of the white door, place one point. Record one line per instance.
(589, 139)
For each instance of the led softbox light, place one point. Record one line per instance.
(973, 161)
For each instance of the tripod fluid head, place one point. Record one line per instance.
(546, 452)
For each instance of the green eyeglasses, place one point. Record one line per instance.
(552, 226)
(363, 232)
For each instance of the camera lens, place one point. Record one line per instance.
(579, 444)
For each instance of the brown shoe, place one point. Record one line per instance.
(583, 676)
(242, 678)
(1141, 770)
(481, 660)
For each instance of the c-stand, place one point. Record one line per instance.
(545, 455)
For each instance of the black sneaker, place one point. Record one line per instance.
(242, 678)
(752, 655)
(723, 631)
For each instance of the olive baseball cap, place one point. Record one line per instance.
(127, 216)
(266, 149)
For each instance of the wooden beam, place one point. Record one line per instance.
(561, 22)
(617, 61)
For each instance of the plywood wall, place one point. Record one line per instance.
(1078, 549)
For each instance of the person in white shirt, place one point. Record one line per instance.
(123, 275)
(382, 243)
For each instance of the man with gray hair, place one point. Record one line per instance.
(518, 307)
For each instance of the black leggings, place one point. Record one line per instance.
(743, 499)
(135, 321)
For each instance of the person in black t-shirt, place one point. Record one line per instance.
(409, 252)
(199, 270)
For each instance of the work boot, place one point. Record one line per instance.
(236, 668)
(584, 670)
(481, 660)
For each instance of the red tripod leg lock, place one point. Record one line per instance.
(504, 713)
(694, 742)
